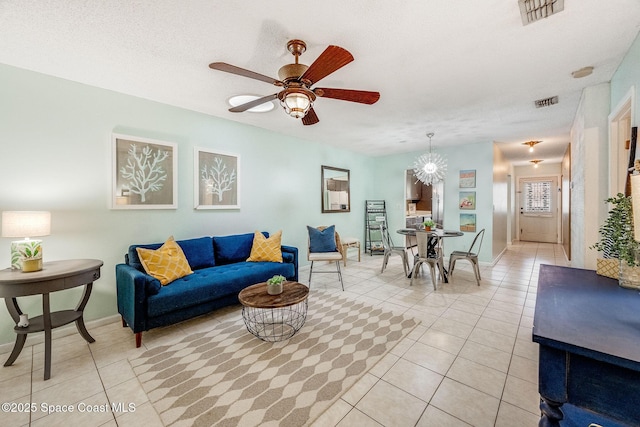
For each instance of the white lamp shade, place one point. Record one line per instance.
(26, 223)
(296, 104)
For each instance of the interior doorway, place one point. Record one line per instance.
(538, 209)
(619, 144)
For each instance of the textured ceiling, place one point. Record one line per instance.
(467, 70)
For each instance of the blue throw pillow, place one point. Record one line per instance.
(322, 241)
(233, 248)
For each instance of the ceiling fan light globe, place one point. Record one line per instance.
(296, 104)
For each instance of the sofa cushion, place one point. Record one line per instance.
(322, 240)
(213, 283)
(166, 263)
(266, 248)
(288, 257)
(232, 249)
(199, 253)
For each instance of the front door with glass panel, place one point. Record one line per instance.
(538, 209)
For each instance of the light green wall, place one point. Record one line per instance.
(589, 172)
(628, 76)
(500, 210)
(55, 154)
(389, 185)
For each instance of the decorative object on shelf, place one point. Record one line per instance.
(431, 167)
(428, 225)
(216, 182)
(145, 173)
(468, 178)
(26, 255)
(617, 242)
(535, 162)
(467, 200)
(24, 320)
(275, 285)
(531, 144)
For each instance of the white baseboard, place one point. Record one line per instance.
(38, 337)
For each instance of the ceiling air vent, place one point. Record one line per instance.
(546, 102)
(535, 10)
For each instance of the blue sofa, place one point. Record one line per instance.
(220, 272)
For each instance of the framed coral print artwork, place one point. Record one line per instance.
(467, 200)
(145, 173)
(468, 178)
(216, 179)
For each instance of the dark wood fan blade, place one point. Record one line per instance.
(361, 96)
(228, 68)
(333, 58)
(248, 105)
(311, 118)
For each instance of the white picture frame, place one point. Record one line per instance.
(216, 180)
(144, 173)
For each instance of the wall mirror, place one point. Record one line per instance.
(336, 193)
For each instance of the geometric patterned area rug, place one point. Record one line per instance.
(228, 377)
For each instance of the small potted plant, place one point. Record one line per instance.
(617, 242)
(274, 285)
(30, 253)
(429, 224)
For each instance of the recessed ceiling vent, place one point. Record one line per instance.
(546, 102)
(535, 10)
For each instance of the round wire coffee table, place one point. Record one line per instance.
(274, 317)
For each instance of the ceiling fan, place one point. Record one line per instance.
(296, 79)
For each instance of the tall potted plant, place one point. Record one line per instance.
(617, 241)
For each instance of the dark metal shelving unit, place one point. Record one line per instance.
(375, 214)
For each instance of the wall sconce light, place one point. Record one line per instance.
(535, 162)
(531, 144)
(26, 255)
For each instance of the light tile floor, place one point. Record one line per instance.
(470, 362)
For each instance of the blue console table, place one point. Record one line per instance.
(588, 329)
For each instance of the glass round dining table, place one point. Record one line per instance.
(437, 233)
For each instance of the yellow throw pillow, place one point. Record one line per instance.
(167, 263)
(264, 249)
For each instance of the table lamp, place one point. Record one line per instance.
(26, 255)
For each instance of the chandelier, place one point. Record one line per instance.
(431, 167)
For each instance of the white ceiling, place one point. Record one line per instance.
(467, 70)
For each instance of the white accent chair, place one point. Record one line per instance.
(334, 257)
